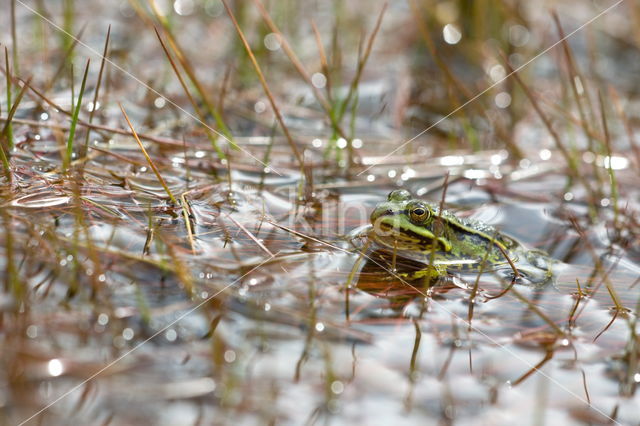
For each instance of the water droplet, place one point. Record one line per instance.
(502, 100)
(319, 327)
(127, 334)
(318, 80)
(452, 160)
(55, 367)
(337, 387)
(259, 107)
(229, 356)
(90, 106)
(272, 41)
(616, 163)
(497, 73)
(103, 319)
(32, 331)
(544, 154)
(451, 34)
(171, 335)
(518, 35)
(183, 7)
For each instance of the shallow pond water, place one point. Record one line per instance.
(274, 313)
(256, 297)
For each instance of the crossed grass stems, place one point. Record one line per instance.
(335, 116)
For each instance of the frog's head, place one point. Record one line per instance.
(405, 223)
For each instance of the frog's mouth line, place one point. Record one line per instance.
(408, 238)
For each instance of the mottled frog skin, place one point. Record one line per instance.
(446, 244)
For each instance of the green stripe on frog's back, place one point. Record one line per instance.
(473, 238)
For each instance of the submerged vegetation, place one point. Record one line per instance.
(186, 186)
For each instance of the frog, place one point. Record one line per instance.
(447, 244)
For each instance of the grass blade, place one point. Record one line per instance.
(8, 75)
(74, 118)
(97, 91)
(146, 155)
(267, 91)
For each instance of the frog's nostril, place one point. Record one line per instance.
(388, 212)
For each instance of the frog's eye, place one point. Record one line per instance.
(399, 195)
(419, 213)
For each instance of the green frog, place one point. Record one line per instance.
(445, 243)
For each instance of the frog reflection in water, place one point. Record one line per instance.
(414, 229)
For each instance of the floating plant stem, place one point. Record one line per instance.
(74, 118)
(547, 356)
(146, 155)
(413, 366)
(578, 296)
(267, 157)
(187, 222)
(538, 312)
